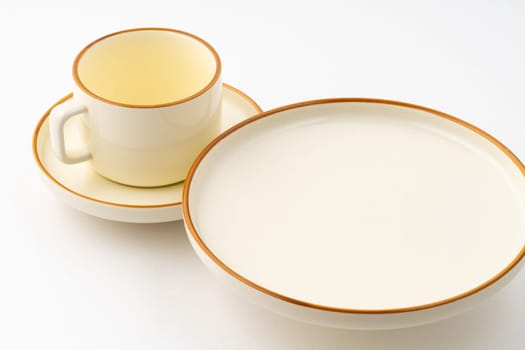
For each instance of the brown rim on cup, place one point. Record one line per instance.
(84, 88)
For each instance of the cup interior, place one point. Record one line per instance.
(146, 67)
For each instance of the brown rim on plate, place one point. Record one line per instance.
(84, 88)
(195, 235)
(64, 187)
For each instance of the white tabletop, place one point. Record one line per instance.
(70, 281)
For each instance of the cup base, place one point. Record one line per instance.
(139, 186)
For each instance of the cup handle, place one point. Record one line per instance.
(57, 119)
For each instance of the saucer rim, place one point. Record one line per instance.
(203, 247)
(42, 168)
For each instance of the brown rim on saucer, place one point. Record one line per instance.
(196, 236)
(198, 93)
(50, 177)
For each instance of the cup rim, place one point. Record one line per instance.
(84, 88)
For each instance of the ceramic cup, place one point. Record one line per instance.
(150, 102)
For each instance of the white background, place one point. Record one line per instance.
(70, 281)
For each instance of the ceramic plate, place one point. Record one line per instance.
(79, 186)
(358, 213)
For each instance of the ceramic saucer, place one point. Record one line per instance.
(82, 188)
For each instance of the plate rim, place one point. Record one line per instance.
(191, 230)
(43, 169)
